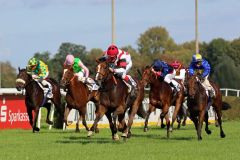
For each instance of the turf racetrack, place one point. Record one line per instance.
(63, 145)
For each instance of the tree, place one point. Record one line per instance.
(235, 51)
(8, 75)
(44, 56)
(90, 60)
(216, 50)
(155, 40)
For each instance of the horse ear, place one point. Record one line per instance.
(97, 60)
(18, 69)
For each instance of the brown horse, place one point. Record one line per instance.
(199, 103)
(35, 98)
(114, 98)
(162, 97)
(77, 97)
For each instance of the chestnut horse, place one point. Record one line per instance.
(161, 96)
(199, 103)
(114, 98)
(34, 96)
(77, 97)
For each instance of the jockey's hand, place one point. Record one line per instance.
(111, 69)
(40, 79)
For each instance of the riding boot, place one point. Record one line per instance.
(129, 84)
(174, 88)
(49, 93)
(91, 83)
(212, 93)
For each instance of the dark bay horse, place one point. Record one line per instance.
(115, 100)
(34, 96)
(77, 97)
(162, 97)
(199, 103)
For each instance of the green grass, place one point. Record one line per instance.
(64, 145)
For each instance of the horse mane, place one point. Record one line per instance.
(53, 81)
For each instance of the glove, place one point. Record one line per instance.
(111, 69)
(40, 79)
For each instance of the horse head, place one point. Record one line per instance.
(67, 77)
(23, 78)
(102, 71)
(148, 76)
(192, 85)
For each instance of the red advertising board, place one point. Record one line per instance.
(13, 112)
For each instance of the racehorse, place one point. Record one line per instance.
(199, 103)
(161, 96)
(35, 98)
(77, 97)
(114, 98)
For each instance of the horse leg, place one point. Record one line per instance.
(66, 113)
(185, 113)
(48, 106)
(84, 121)
(127, 132)
(165, 115)
(109, 117)
(219, 118)
(150, 110)
(178, 121)
(35, 128)
(99, 114)
(206, 123)
(29, 111)
(200, 123)
(117, 112)
(77, 130)
(174, 116)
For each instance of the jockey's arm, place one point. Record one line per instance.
(121, 67)
(129, 62)
(86, 70)
(181, 75)
(207, 69)
(191, 69)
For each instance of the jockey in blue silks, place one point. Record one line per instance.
(201, 67)
(166, 72)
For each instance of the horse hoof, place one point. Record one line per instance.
(208, 132)
(77, 130)
(129, 135)
(115, 137)
(124, 135)
(163, 125)
(145, 129)
(36, 129)
(223, 135)
(49, 122)
(90, 133)
(96, 130)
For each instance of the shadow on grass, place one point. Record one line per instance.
(161, 137)
(87, 140)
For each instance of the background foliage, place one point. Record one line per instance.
(154, 43)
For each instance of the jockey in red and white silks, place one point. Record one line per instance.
(121, 63)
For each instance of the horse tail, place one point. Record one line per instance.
(226, 106)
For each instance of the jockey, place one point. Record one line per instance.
(121, 64)
(165, 71)
(81, 71)
(179, 69)
(39, 71)
(201, 67)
